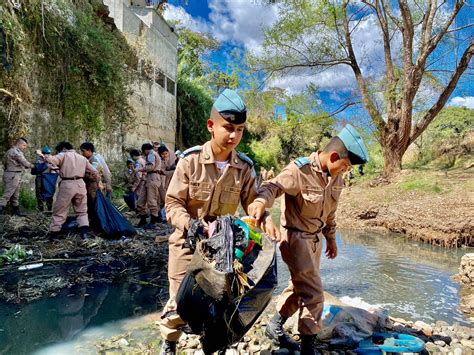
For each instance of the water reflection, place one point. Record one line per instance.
(410, 279)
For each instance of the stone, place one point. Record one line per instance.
(454, 341)
(440, 343)
(246, 339)
(254, 348)
(457, 351)
(122, 342)
(266, 347)
(441, 323)
(467, 343)
(193, 343)
(425, 328)
(241, 347)
(265, 352)
(231, 352)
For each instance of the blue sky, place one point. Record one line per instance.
(239, 23)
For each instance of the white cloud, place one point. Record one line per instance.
(467, 101)
(178, 13)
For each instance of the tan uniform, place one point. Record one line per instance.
(198, 190)
(14, 165)
(169, 167)
(153, 182)
(72, 189)
(139, 185)
(308, 214)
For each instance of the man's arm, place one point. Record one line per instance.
(177, 195)
(285, 182)
(20, 158)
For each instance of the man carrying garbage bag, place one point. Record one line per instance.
(210, 181)
(311, 187)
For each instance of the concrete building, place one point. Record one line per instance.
(154, 91)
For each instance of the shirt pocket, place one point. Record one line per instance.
(336, 192)
(230, 195)
(313, 198)
(199, 190)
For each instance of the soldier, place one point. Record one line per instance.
(14, 165)
(311, 188)
(42, 167)
(72, 189)
(153, 169)
(209, 181)
(139, 185)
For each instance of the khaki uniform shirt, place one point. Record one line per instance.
(311, 197)
(139, 176)
(199, 190)
(169, 167)
(153, 164)
(15, 160)
(71, 164)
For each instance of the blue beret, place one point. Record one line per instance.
(45, 150)
(231, 107)
(358, 153)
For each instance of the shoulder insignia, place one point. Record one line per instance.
(302, 161)
(194, 149)
(245, 158)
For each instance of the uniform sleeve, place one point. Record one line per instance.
(55, 159)
(177, 195)
(249, 189)
(106, 171)
(285, 182)
(20, 158)
(329, 230)
(150, 163)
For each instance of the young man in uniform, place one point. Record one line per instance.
(14, 165)
(311, 188)
(210, 181)
(41, 168)
(153, 169)
(139, 185)
(72, 189)
(169, 166)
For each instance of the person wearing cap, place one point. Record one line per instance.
(14, 165)
(210, 181)
(311, 187)
(42, 167)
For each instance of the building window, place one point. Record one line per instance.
(170, 86)
(160, 78)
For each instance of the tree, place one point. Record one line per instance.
(317, 35)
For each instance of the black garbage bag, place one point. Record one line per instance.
(130, 199)
(211, 304)
(109, 219)
(48, 186)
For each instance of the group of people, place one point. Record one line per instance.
(212, 180)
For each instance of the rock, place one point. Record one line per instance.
(440, 343)
(193, 343)
(425, 328)
(467, 343)
(241, 347)
(254, 348)
(122, 342)
(231, 352)
(454, 341)
(441, 323)
(247, 339)
(265, 352)
(457, 351)
(266, 347)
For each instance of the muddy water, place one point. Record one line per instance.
(409, 279)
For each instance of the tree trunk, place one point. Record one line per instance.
(393, 155)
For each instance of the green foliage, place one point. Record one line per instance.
(13, 255)
(420, 184)
(82, 63)
(194, 106)
(28, 199)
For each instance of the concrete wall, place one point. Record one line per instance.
(154, 91)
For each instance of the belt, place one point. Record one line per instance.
(73, 178)
(11, 171)
(294, 229)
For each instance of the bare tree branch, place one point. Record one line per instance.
(443, 98)
(460, 28)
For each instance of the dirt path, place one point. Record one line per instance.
(436, 207)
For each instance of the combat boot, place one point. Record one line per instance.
(153, 221)
(84, 230)
(168, 347)
(274, 331)
(18, 212)
(309, 345)
(142, 222)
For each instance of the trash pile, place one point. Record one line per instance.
(229, 282)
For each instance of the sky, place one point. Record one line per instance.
(241, 23)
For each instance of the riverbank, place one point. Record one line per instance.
(142, 336)
(52, 266)
(431, 206)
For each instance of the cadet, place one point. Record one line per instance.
(128, 177)
(139, 185)
(169, 166)
(14, 165)
(42, 167)
(153, 171)
(311, 188)
(72, 189)
(210, 181)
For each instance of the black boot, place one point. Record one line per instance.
(18, 212)
(274, 331)
(153, 221)
(84, 230)
(142, 222)
(168, 347)
(309, 345)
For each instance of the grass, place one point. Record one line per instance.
(421, 184)
(28, 199)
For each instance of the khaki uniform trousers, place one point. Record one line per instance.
(141, 198)
(70, 191)
(153, 200)
(12, 182)
(302, 253)
(178, 262)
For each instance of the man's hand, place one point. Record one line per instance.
(108, 187)
(331, 248)
(270, 229)
(38, 153)
(256, 210)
